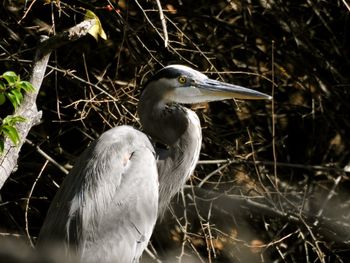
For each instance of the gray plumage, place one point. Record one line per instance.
(99, 202)
(107, 206)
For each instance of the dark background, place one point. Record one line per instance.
(284, 195)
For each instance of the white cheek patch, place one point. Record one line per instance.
(186, 95)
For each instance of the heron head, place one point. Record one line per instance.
(182, 84)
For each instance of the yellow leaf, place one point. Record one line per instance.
(96, 30)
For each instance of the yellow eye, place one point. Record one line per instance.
(182, 80)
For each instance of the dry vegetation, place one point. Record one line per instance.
(273, 182)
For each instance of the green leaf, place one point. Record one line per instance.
(96, 30)
(18, 95)
(2, 146)
(2, 86)
(11, 77)
(11, 120)
(12, 99)
(2, 98)
(26, 86)
(12, 133)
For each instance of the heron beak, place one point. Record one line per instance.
(218, 90)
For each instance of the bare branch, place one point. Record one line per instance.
(28, 108)
(162, 19)
(335, 230)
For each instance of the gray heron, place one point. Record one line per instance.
(107, 206)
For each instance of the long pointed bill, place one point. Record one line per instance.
(218, 90)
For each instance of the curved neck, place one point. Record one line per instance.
(178, 128)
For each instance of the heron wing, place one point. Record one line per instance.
(108, 202)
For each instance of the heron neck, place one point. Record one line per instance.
(178, 128)
(177, 163)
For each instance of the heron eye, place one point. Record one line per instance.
(182, 80)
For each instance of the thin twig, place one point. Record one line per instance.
(162, 19)
(271, 163)
(273, 114)
(347, 5)
(149, 20)
(205, 179)
(27, 11)
(27, 204)
(329, 197)
(47, 157)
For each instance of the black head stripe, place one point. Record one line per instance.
(168, 73)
